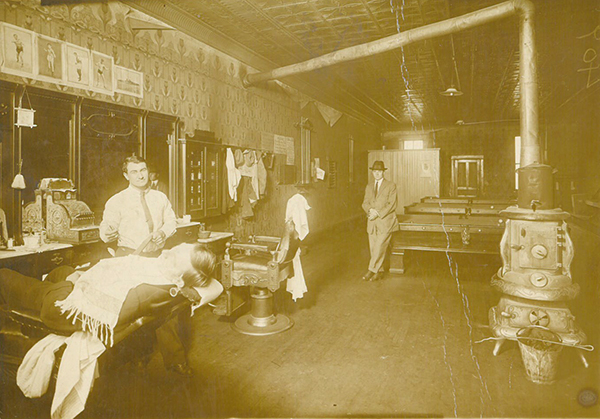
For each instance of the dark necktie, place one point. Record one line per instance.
(147, 212)
(376, 188)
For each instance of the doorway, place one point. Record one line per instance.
(467, 176)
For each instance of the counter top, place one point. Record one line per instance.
(23, 251)
(215, 236)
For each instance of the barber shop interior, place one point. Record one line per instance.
(299, 208)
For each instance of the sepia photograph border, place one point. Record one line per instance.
(111, 65)
(68, 48)
(140, 94)
(63, 52)
(9, 70)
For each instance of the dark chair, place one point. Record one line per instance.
(261, 265)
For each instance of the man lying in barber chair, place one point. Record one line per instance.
(105, 300)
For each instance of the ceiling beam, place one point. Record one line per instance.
(530, 147)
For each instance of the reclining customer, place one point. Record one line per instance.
(113, 292)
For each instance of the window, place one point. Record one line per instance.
(351, 160)
(413, 145)
(517, 160)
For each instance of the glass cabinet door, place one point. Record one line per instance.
(202, 179)
(212, 181)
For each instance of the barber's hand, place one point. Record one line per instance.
(191, 294)
(159, 237)
(111, 233)
(73, 277)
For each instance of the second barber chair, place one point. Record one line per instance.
(261, 265)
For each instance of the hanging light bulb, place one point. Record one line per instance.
(451, 91)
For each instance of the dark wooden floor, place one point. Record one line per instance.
(401, 347)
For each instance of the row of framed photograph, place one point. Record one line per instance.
(28, 54)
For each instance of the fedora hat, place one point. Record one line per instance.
(378, 165)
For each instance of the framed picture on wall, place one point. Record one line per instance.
(129, 82)
(77, 66)
(101, 69)
(18, 46)
(50, 55)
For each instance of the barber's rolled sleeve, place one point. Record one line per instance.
(111, 218)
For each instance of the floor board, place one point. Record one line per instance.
(400, 347)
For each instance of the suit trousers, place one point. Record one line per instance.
(378, 244)
(22, 292)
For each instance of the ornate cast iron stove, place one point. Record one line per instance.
(535, 276)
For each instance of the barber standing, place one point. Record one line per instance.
(380, 205)
(133, 214)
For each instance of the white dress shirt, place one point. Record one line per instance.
(124, 213)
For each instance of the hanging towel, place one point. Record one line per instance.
(233, 175)
(33, 375)
(296, 209)
(262, 177)
(76, 374)
(296, 285)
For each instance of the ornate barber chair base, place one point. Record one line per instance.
(262, 320)
(261, 265)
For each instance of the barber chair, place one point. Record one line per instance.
(261, 265)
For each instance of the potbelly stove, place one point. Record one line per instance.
(535, 276)
(57, 210)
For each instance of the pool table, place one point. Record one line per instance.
(445, 232)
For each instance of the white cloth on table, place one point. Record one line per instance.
(33, 375)
(99, 294)
(296, 285)
(76, 374)
(295, 210)
(233, 175)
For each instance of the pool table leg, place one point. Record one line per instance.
(397, 261)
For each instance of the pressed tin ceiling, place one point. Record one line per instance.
(395, 90)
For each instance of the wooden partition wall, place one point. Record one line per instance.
(416, 173)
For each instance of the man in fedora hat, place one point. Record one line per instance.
(380, 205)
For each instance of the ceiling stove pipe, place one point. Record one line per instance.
(530, 147)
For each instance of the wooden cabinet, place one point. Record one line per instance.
(201, 178)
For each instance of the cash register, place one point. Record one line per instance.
(57, 210)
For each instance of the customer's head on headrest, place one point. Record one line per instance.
(195, 262)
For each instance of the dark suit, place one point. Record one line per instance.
(380, 229)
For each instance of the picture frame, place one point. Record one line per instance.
(50, 63)
(18, 47)
(128, 82)
(101, 73)
(77, 66)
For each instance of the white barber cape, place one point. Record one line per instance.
(296, 209)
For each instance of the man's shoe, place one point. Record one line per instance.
(182, 369)
(378, 276)
(368, 276)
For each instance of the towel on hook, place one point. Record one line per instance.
(233, 175)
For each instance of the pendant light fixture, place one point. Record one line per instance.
(453, 90)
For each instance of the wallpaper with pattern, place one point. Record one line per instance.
(186, 78)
